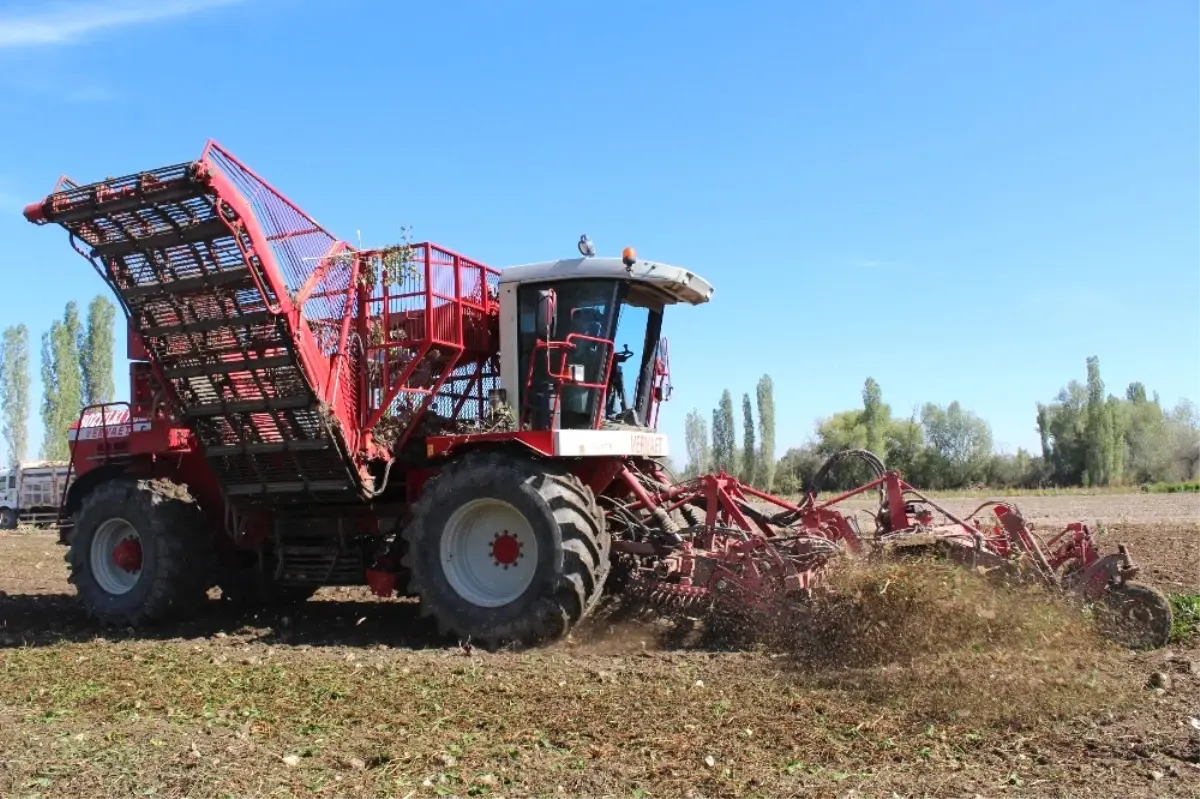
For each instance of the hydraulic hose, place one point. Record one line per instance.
(865, 455)
(817, 482)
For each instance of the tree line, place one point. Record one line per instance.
(1088, 438)
(754, 462)
(77, 371)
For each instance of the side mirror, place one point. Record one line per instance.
(546, 313)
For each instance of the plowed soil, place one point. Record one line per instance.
(926, 685)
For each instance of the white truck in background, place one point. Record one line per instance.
(31, 493)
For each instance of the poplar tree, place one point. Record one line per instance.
(14, 391)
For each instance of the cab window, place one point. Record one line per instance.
(583, 308)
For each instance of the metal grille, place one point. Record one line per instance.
(314, 560)
(171, 244)
(303, 250)
(431, 344)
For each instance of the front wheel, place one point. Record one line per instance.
(1136, 616)
(8, 519)
(140, 552)
(506, 550)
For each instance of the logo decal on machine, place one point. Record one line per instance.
(642, 444)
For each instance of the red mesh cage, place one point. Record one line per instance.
(278, 344)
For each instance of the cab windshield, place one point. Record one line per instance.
(639, 325)
(587, 352)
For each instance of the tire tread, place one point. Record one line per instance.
(585, 544)
(184, 551)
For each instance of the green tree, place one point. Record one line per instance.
(1061, 425)
(766, 431)
(1147, 438)
(14, 391)
(904, 446)
(1115, 423)
(697, 442)
(1022, 470)
(796, 468)
(843, 430)
(749, 473)
(61, 383)
(1183, 426)
(96, 352)
(869, 428)
(1104, 457)
(50, 439)
(1089, 438)
(959, 445)
(876, 417)
(725, 436)
(1096, 434)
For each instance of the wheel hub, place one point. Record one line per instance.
(506, 549)
(489, 553)
(115, 556)
(127, 555)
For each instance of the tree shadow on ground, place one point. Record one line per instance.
(334, 618)
(52, 619)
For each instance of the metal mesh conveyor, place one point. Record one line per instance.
(208, 262)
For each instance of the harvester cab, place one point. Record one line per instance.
(561, 321)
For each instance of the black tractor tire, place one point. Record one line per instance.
(176, 552)
(572, 543)
(8, 519)
(1136, 616)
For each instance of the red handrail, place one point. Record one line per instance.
(561, 377)
(103, 408)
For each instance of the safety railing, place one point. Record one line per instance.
(563, 376)
(104, 410)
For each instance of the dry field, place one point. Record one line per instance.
(923, 683)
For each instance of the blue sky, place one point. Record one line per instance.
(963, 200)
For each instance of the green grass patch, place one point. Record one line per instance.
(1186, 607)
(1191, 486)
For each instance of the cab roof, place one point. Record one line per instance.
(675, 282)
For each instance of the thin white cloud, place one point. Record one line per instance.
(869, 263)
(90, 94)
(66, 22)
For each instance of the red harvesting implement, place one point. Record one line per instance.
(753, 556)
(305, 413)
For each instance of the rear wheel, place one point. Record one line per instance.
(506, 550)
(140, 552)
(1136, 616)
